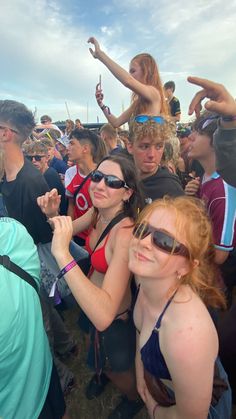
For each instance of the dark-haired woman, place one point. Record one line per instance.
(106, 296)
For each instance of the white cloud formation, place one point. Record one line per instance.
(45, 59)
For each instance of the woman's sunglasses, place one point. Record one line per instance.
(37, 157)
(160, 239)
(144, 118)
(110, 180)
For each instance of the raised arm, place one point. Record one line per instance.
(100, 304)
(116, 122)
(148, 92)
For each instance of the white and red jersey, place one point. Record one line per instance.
(73, 178)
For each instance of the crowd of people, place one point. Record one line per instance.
(135, 227)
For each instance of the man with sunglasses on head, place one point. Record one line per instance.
(146, 144)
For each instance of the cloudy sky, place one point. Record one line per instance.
(46, 64)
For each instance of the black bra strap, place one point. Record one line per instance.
(113, 222)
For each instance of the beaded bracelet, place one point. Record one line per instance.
(154, 410)
(66, 269)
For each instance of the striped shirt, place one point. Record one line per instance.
(220, 199)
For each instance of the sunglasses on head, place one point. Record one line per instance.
(144, 118)
(160, 239)
(37, 157)
(111, 181)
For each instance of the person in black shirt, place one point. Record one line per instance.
(174, 105)
(21, 186)
(147, 146)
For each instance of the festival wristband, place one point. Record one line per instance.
(154, 410)
(64, 270)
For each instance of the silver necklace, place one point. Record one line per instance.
(104, 220)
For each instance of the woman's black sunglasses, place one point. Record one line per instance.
(110, 180)
(160, 239)
(37, 157)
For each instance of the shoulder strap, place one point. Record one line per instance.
(158, 323)
(112, 223)
(17, 270)
(81, 185)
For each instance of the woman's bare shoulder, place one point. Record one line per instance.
(187, 322)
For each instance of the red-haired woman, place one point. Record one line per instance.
(172, 257)
(143, 80)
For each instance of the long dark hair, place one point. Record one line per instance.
(135, 204)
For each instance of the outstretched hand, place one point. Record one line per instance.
(49, 203)
(95, 53)
(220, 100)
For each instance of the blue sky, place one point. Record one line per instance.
(45, 60)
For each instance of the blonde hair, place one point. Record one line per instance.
(150, 129)
(193, 225)
(151, 77)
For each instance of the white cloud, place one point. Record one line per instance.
(45, 59)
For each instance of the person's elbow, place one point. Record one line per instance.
(103, 323)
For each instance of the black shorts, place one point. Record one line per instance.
(115, 348)
(54, 406)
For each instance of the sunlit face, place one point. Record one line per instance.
(147, 155)
(75, 150)
(148, 261)
(200, 145)
(103, 196)
(136, 71)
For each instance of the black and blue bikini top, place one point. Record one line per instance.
(151, 355)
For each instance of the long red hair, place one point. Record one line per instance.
(151, 77)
